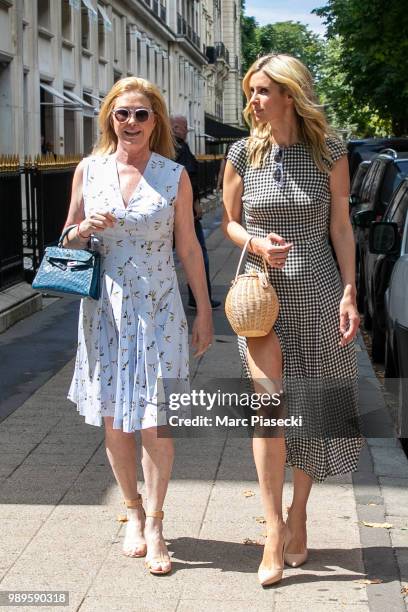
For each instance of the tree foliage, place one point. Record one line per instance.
(373, 57)
(361, 69)
(336, 93)
(293, 38)
(285, 37)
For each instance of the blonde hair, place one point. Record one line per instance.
(295, 79)
(161, 139)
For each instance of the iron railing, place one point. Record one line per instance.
(48, 181)
(34, 201)
(208, 170)
(11, 240)
(185, 29)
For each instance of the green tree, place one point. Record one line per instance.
(373, 57)
(249, 43)
(336, 93)
(293, 38)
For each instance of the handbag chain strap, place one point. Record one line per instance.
(242, 257)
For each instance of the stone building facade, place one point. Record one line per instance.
(58, 58)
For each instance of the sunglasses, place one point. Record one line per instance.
(139, 114)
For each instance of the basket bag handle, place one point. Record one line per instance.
(264, 277)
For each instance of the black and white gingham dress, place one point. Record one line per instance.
(320, 377)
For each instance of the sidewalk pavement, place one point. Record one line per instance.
(59, 506)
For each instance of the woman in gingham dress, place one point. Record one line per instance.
(290, 178)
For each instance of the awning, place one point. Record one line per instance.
(57, 94)
(91, 9)
(106, 21)
(87, 108)
(96, 98)
(217, 132)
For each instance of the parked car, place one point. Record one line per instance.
(365, 149)
(378, 270)
(386, 239)
(357, 182)
(383, 176)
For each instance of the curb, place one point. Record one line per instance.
(16, 303)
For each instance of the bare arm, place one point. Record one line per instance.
(221, 173)
(96, 222)
(190, 254)
(274, 249)
(341, 234)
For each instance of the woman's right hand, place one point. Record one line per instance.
(97, 221)
(274, 249)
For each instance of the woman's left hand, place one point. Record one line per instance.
(349, 320)
(202, 333)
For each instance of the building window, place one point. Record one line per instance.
(66, 20)
(163, 76)
(138, 56)
(155, 68)
(163, 10)
(117, 38)
(101, 37)
(147, 59)
(43, 8)
(85, 30)
(129, 50)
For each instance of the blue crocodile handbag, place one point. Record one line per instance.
(69, 271)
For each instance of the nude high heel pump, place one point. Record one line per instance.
(161, 559)
(268, 576)
(136, 503)
(294, 559)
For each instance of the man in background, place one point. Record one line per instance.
(185, 157)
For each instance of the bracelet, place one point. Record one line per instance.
(79, 235)
(249, 245)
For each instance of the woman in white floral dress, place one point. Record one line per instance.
(134, 340)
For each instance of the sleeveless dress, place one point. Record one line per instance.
(319, 377)
(133, 341)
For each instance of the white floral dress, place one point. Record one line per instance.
(133, 341)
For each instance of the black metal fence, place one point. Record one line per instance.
(11, 239)
(47, 194)
(208, 169)
(34, 202)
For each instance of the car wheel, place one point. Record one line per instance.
(378, 343)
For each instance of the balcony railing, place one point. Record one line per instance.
(221, 52)
(158, 9)
(186, 30)
(163, 12)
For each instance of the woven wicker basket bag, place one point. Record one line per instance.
(251, 305)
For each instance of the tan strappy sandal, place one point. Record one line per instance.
(162, 558)
(136, 503)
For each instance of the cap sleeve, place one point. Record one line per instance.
(336, 148)
(237, 155)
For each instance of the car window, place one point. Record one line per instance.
(372, 180)
(394, 175)
(400, 211)
(395, 201)
(358, 178)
